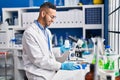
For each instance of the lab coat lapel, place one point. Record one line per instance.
(40, 37)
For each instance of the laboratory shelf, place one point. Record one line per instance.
(6, 65)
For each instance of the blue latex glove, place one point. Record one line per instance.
(70, 66)
(63, 49)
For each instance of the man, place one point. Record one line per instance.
(39, 60)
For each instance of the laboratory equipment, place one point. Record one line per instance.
(55, 41)
(60, 3)
(9, 21)
(31, 4)
(3, 26)
(109, 62)
(55, 2)
(108, 50)
(90, 75)
(66, 46)
(98, 51)
(117, 78)
(77, 52)
(61, 41)
(15, 20)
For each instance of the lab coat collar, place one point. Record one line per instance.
(39, 25)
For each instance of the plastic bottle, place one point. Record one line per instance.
(109, 60)
(15, 20)
(55, 2)
(61, 41)
(4, 25)
(56, 42)
(31, 4)
(108, 50)
(66, 45)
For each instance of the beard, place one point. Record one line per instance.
(46, 22)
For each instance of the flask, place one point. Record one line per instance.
(67, 42)
(110, 59)
(90, 74)
(117, 78)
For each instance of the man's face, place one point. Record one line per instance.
(49, 17)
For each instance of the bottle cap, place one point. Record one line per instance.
(107, 46)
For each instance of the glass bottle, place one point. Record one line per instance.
(30, 3)
(90, 74)
(56, 42)
(60, 3)
(61, 41)
(55, 2)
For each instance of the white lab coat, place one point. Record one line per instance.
(38, 59)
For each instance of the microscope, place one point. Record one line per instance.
(77, 50)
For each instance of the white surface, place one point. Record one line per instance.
(103, 75)
(70, 75)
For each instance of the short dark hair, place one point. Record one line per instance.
(48, 5)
